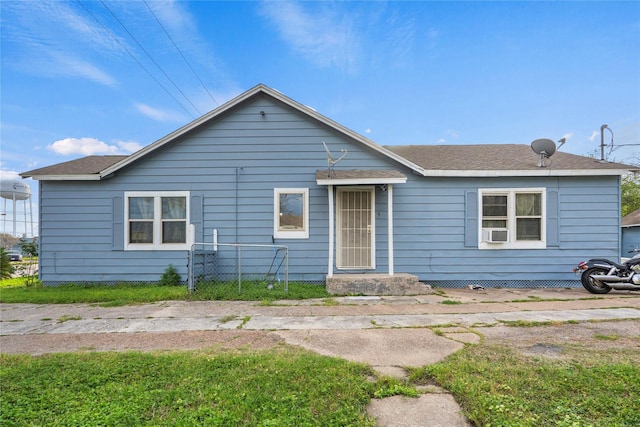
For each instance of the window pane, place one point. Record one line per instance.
(174, 232)
(528, 204)
(141, 208)
(528, 229)
(141, 232)
(494, 205)
(291, 211)
(494, 223)
(174, 208)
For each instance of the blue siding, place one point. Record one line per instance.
(630, 240)
(231, 165)
(432, 244)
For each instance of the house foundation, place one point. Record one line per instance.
(376, 284)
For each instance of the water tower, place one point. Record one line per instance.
(15, 190)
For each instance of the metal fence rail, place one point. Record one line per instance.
(211, 263)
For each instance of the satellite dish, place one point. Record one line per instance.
(331, 161)
(544, 148)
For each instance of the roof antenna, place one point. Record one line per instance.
(602, 144)
(330, 160)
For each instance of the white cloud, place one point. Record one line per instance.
(593, 136)
(6, 175)
(453, 133)
(367, 130)
(172, 15)
(321, 35)
(159, 115)
(567, 136)
(80, 68)
(52, 37)
(128, 146)
(85, 146)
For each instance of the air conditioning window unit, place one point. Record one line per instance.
(495, 235)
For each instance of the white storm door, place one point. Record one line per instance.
(355, 242)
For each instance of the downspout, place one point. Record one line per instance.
(390, 226)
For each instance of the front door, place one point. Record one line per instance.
(355, 242)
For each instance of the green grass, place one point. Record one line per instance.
(123, 294)
(13, 282)
(497, 386)
(279, 387)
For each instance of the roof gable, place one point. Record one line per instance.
(425, 160)
(66, 169)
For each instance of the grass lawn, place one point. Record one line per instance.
(15, 291)
(290, 387)
(280, 387)
(498, 386)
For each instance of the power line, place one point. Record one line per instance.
(133, 57)
(150, 57)
(181, 54)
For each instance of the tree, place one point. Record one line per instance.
(7, 241)
(30, 248)
(6, 269)
(630, 189)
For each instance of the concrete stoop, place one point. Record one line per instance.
(376, 284)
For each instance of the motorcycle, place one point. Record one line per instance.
(599, 275)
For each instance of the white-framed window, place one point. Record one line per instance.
(156, 220)
(291, 213)
(512, 218)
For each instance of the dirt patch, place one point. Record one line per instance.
(546, 340)
(549, 340)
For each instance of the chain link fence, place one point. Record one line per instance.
(216, 263)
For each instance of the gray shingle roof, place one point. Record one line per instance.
(494, 157)
(359, 174)
(83, 166)
(631, 219)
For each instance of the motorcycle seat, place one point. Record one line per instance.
(607, 261)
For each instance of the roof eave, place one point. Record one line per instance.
(360, 181)
(83, 177)
(525, 172)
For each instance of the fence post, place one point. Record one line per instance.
(239, 269)
(190, 270)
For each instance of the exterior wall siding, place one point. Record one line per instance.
(430, 226)
(630, 240)
(231, 166)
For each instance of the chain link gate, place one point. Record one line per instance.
(211, 263)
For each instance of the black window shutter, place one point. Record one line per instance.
(118, 224)
(196, 218)
(553, 219)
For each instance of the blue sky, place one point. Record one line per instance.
(109, 77)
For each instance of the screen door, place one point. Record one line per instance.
(354, 228)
